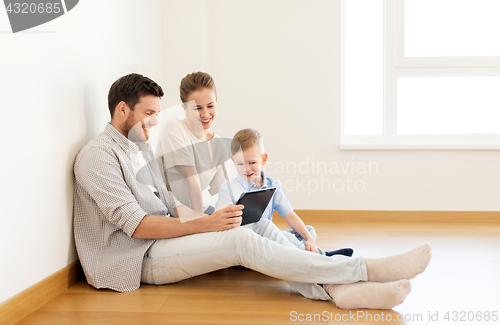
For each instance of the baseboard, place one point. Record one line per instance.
(451, 217)
(29, 300)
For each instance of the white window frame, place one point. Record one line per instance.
(397, 65)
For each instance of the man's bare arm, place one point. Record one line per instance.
(156, 227)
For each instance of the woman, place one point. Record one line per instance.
(192, 155)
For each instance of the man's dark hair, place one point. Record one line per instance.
(130, 89)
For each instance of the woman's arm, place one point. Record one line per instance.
(177, 152)
(296, 224)
(193, 186)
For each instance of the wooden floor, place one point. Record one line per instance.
(463, 277)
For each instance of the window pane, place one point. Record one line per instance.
(448, 105)
(452, 28)
(364, 75)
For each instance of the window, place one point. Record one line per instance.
(420, 74)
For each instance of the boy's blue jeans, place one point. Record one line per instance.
(298, 241)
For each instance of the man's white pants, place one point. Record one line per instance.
(259, 246)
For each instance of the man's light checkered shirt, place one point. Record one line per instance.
(109, 203)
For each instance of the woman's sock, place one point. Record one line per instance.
(396, 267)
(371, 295)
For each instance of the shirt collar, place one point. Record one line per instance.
(264, 180)
(249, 185)
(124, 143)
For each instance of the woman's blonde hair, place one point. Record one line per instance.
(196, 81)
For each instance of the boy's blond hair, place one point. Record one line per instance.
(245, 139)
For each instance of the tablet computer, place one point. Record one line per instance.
(255, 203)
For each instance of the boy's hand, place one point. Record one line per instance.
(310, 246)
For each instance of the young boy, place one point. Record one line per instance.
(249, 156)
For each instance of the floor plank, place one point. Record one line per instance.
(119, 302)
(464, 276)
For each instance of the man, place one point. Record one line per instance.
(128, 231)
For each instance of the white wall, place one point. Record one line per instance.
(54, 81)
(277, 69)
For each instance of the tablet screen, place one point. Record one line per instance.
(255, 204)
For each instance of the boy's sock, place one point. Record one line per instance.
(403, 266)
(342, 251)
(371, 295)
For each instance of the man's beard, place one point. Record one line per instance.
(135, 131)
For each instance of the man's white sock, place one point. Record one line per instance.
(371, 295)
(403, 266)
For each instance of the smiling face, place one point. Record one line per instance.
(201, 109)
(140, 120)
(249, 164)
